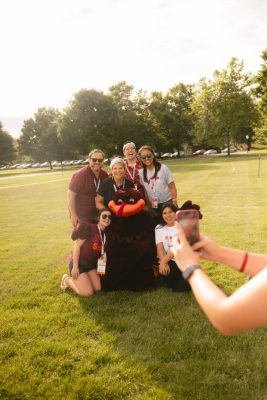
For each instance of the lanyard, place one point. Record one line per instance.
(115, 187)
(153, 183)
(103, 239)
(97, 184)
(131, 175)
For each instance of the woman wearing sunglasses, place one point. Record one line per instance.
(157, 180)
(110, 185)
(89, 249)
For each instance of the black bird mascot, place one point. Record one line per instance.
(130, 244)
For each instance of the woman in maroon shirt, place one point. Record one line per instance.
(88, 249)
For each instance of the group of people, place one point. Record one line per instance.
(90, 191)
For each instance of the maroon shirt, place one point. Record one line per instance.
(133, 174)
(91, 249)
(85, 184)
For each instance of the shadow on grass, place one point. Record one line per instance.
(167, 334)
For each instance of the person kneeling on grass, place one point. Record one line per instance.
(88, 249)
(243, 310)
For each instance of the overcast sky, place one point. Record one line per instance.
(52, 48)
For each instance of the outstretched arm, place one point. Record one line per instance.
(245, 309)
(251, 263)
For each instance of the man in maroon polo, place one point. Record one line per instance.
(83, 187)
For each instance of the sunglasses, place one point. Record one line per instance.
(100, 160)
(146, 156)
(105, 216)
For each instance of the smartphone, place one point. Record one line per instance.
(189, 221)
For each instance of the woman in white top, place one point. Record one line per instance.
(165, 233)
(157, 180)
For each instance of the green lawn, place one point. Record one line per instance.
(155, 345)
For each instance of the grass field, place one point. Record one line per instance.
(139, 346)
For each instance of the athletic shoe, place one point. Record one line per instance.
(63, 284)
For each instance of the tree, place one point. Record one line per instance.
(132, 116)
(39, 138)
(224, 108)
(172, 115)
(261, 93)
(7, 146)
(87, 122)
(261, 81)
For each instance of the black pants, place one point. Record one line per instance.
(175, 280)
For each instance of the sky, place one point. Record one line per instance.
(50, 49)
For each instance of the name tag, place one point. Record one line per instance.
(155, 202)
(101, 265)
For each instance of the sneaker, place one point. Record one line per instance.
(63, 284)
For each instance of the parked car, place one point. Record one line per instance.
(211, 151)
(166, 155)
(199, 152)
(56, 164)
(232, 149)
(36, 165)
(176, 154)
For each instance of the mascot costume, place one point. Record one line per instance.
(130, 245)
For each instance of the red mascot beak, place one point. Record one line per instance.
(126, 209)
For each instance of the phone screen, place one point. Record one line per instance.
(189, 222)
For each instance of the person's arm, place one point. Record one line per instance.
(173, 190)
(99, 202)
(252, 263)
(245, 309)
(72, 207)
(76, 255)
(164, 258)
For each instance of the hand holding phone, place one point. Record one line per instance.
(189, 221)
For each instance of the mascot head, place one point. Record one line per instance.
(126, 202)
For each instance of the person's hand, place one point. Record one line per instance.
(183, 252)
(75, 272)
(207, 249)
(74, 219)
(164, 268)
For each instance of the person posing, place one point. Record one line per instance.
(157, 180)
(133, 165)
(110, 185)
(244, 309)
(165, 233)
(88, 248)
(83, 187)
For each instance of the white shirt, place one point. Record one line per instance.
(158, 187)
(165, 235)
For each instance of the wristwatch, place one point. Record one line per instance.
(189, 270)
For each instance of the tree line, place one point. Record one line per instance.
(228, 109)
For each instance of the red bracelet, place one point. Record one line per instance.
(244, 262)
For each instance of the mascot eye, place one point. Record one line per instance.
(131, 201)
(119, 201)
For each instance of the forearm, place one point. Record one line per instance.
(76, 254)
(235, 258)
(99, 202)
(243, 310)
(72, 202)
(173, 190)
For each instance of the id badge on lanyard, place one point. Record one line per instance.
(101, 264)
(102, 261)
(155, 200)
